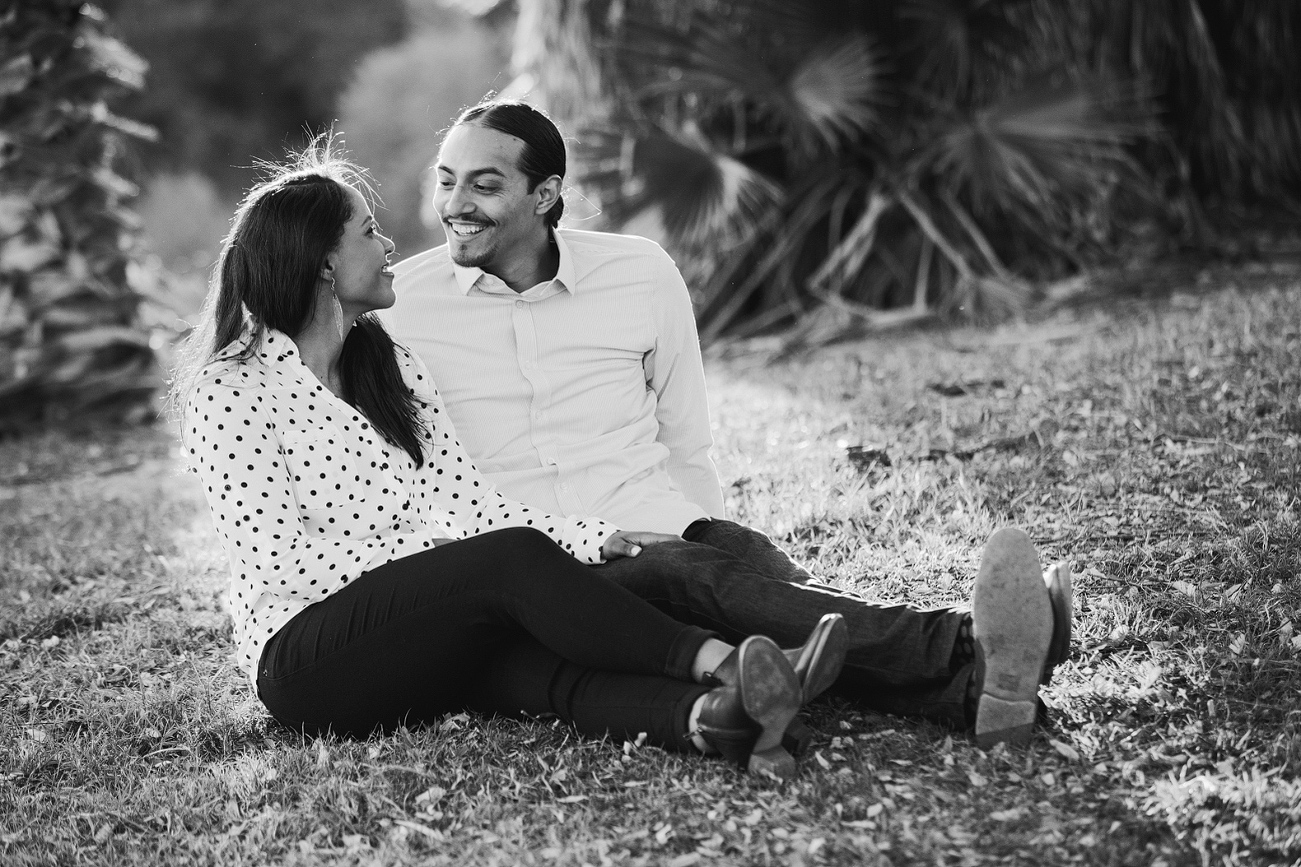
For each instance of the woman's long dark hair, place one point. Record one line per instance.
(267, 277)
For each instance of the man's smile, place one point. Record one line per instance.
(464, 229)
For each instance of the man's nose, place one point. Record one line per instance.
(457, 202)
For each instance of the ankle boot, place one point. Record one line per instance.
(817, 662)
(745, 720)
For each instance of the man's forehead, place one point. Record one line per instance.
(471, 147)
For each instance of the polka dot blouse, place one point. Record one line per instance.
(306, 495)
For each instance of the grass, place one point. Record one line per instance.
(1152, 441)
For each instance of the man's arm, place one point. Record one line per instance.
(676, 373)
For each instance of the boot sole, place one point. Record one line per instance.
(770, 695)
(1012, 624)
(823, 656)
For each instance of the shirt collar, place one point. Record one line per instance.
(275, 348)
(566, 275)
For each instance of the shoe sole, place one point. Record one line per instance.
(770, 695)
(1012, 624)
(823, 656)
(1058, 581)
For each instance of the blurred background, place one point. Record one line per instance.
(814, 167)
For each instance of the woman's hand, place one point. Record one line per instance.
(628, 543)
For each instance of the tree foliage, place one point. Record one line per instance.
(71, 337)
(233, 81)
(937, 154)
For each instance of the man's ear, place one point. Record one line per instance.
(548, 193)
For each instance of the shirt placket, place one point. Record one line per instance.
(542, 418)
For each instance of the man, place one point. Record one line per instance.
(582, 394)
(570, 366)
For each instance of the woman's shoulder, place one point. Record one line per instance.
(246, 362)
(231, 371)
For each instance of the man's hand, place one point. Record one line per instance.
(628, 543)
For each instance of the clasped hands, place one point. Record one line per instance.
(628, 543)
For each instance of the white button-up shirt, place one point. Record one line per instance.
(306, 495)
(585, 394)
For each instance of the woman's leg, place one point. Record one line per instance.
(524, 678)
(409, 640)
(743, 720)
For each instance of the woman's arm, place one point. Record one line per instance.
(238, 453)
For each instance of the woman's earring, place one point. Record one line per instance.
(338, 309)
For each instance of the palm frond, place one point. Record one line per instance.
(836, 94)
(705, 58)
(1031, 149)
(958, 43)
(818, 97)
(699, 191)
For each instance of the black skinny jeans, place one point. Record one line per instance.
(506, 622)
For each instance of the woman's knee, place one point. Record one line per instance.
(527, 546)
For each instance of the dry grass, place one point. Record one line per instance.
(1153, 443)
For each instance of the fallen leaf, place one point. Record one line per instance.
(1065, 749)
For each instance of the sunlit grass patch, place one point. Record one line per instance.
(1154, 445)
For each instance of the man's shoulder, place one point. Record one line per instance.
(428, 267)
(584, 243)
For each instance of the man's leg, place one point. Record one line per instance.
(750, 545)
(900, 659)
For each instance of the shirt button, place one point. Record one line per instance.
(538, 414)
(519, 303)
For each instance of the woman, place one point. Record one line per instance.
(377, 578)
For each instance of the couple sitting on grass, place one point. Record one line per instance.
(513, 509)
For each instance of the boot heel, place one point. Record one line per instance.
(770, 693)
(1000, 721)
(775, 762)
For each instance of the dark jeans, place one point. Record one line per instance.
(506, 622)
(899, 657)
(750, 545)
